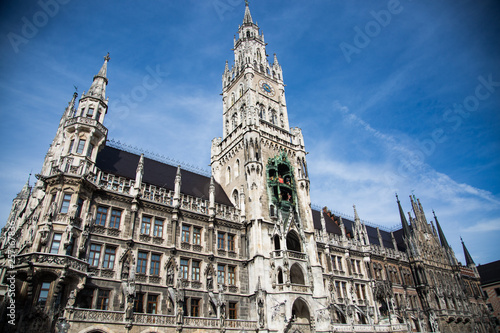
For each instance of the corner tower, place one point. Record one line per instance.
(260, 163)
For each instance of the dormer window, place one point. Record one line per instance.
(90, 112)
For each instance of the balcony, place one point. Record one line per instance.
(88, 122)
(53, 261)
(146, 319)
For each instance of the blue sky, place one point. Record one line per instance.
(391, 96)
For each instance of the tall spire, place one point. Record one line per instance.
(442, 238)
(406, 228)
(98, 87)
(248, 17)
(468, 258)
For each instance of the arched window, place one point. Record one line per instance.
(234, 121)
(228, 175)
(259, 57)
(237, 168)
(232, 98)
(236, 198)
(280, 276)
(293, 242)
(296, 275)
(277, 244)
(262, 112)
(241, 90)
(248, 34)
(274, 118)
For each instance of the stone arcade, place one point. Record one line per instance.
(101, 244)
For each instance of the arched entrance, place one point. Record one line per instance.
(301, 317)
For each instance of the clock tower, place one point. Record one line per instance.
(260, 162)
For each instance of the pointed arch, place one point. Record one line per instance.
(293, 241)
(297, 274)
(300, 311)
(280, 276)
(236, 198)
(277, 243)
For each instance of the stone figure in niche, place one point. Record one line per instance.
(52, 210)
(72, 298)
(222, 315)
(260, 304)
(44, 233)
(170, 275)
(180, 313)
(210, 282)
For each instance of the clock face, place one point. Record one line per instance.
(266, 88)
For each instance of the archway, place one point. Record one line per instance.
(300, 312)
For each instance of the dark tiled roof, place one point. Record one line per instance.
(332, 227)
(489, 272)
(124, 164)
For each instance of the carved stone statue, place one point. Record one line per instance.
(260, 311)
(210, 282)
(170, 275)
(52, 210)
(72, 298)
(44, 233)
(180, 313)
(222, 317)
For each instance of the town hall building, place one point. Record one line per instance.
(108, 240)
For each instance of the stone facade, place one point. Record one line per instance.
(110, 241)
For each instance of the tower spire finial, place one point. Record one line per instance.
(468, 258)
(248, 17)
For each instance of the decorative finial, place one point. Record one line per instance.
(106, 58)
(246, 3)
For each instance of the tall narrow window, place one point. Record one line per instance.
(139, 302)
(146, 225)
(220, 241)
(94, 254)
(184, 269)
(152, 304)
(71, 144)
(56, 243)
(90, 150)
(116, 216)
(195, 307)
(90, 112)
(196, 236)
(102, 214)
(65, 203)
(221, 274)
(185, 233)
(155, 265)
(98, 116)
(233, 311)
(79, 206)
(230, 242)
(109, 258)
(102, 300)
(44, 293)
(142, 260)
(81, 145)
(158, 228)
(231, 276)
(195, 271)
